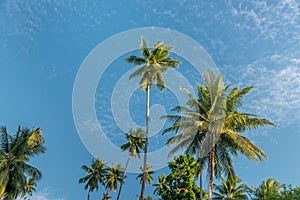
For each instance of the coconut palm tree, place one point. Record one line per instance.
(148, 174)
(96, 174)
(113, 177)
(211, 125)
(136, 141)
(268, 190)
(153, 64)
(15, 153)
(231, 189)
(162, 185)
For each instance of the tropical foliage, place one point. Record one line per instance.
(98, 174)
(136, 142)
(17, 177)
(95, 175)
(180, 183)
(231, 189)
(147, 174)
(268, 190)
(210, 125)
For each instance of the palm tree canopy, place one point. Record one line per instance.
(114, 176)
(149, 172)
(15, 153)
(192, 124)
(153, 63)
(96, 174)
(231, 189)
(268, 189)
(136, 142)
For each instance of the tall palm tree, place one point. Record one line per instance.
(231, 189)
(95, 174)
(113, 177)
(136, 142)
(153, 64)
(15, 153)
(191, 136)
(268, 190)
(211, 125)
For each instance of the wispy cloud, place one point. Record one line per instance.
(271, 19)
(277, 87)
(45, 194)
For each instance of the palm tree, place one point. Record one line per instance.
(15, 153)
(268, 190)
(231, 189)
(162, 185)
(211, 125)
(113, 177)
(134, 145)
(148, 174)
(154, 63)
(95, 174)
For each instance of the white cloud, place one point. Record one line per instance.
(44, 194)
(271, 19)
(277, 88)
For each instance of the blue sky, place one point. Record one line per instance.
(43, 43)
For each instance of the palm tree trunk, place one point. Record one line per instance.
(212, 171)
(146, 142)
(201, 192)
(200, 176)
(89, 194)
(124, 174)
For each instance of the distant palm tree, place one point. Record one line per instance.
(268, 190)
(15, 153)
(136, 142)
(148, 175)
(162, 184)
(196, 131)
(96, 174)
(231, 189)
(154, 63)
(113, 177)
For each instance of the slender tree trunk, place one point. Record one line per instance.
(124, 174)
(146, 142)
(201, 191)
(89, 194)
(212, 171)
(200, 177)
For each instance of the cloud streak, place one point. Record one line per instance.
(45, 194)
(277, 87)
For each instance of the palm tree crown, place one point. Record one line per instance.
(268, 190)
(95, 174)
(149, 173)
(197, 133)
(136, 142)
(153, 63)
(231, 189)
(15, 153)
(114, 176)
